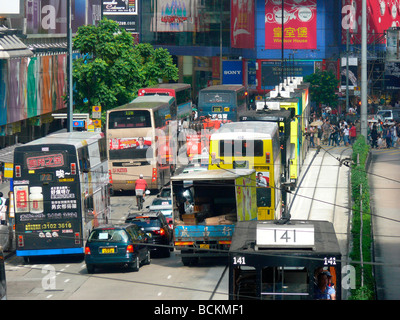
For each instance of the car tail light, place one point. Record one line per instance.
(129, 248)
(73, 168)
(87, 250)
(21, 241)
(110, 176)
(267, 157)
(18, 171)
(77, 238)
(161, 232)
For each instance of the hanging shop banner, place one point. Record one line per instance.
(300, 24)
(242, 24)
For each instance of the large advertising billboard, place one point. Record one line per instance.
(381, 15)
(299, 28)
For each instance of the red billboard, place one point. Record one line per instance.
(381, 15)
(242, 24)
(299, 28)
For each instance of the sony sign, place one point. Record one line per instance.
(232, 72)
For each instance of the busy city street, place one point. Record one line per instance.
(189, 150)
(62, 278)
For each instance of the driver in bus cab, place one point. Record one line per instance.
(140, 184)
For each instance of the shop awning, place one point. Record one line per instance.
(12, 47)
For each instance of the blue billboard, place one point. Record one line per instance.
(232, 72)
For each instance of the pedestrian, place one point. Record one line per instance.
(352, 133)
(332, 136)
(312, 131)
(374, 137)
(326, 128)
(388, 136)
(346, 134)
(3, 210)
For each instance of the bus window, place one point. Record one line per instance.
(83, 157)
(284, 283)
(244, 287)
(103, 149)
(241, 148)
(129, 119)
(263, 197)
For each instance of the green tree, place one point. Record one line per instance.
(112, 68)
(323, 85)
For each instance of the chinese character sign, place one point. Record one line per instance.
(299, 28)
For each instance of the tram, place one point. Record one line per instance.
(270, 261)
(252, 145)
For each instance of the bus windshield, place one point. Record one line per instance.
(129, 119)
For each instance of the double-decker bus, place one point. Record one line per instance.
(142, 139)
(222, 102)
(182, 92)
(61, 192)
(252, 145)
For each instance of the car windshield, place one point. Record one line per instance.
(109, 235)
(161, 202)
(145, 222)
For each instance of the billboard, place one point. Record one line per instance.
(175, 16)
(10, 9)
(232, 72)
(242, 24)
(300, 24)
(124, 12)
(381, 15)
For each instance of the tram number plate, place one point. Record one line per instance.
(268, 235)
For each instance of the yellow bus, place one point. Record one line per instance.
(139, 136)
(252, 145)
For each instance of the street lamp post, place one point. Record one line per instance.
(69, 67)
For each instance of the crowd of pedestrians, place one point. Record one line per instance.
(384, 135)
(331, 129)
(325, 132)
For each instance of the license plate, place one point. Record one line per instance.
(108, 250)
(130, 181)
(204, 246)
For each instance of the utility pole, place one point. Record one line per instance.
(69, 67)
(364, 82)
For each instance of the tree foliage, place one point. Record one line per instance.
(111, 68)
(323, 85)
